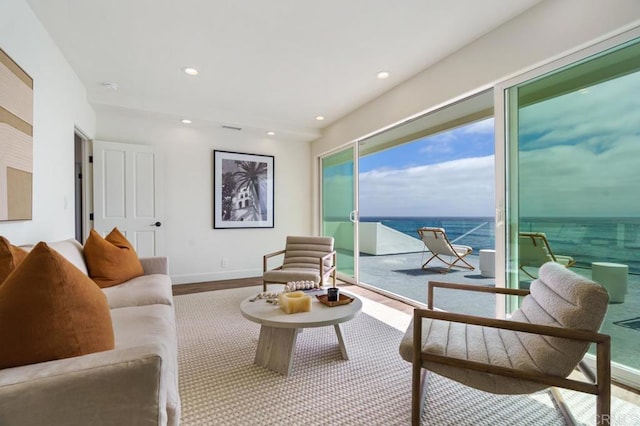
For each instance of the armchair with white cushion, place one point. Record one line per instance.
(538, 347)
(305, 259)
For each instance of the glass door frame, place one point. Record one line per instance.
(354, 217)
(506, 134)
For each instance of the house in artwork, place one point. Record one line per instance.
(244, 208)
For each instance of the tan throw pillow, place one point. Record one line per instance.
(50, 310)
(111, 260)
(10, 257)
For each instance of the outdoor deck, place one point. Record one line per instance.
(402, 275)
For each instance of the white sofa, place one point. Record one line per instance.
(134, 384)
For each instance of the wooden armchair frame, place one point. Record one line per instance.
(322, 269)
(601, 386)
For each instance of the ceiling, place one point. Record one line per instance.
(263, 65)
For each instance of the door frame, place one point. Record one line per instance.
(86, 189)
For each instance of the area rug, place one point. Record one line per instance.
(220, 385)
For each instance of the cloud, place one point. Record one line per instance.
(578, 152)
(454, 188)
(484, 127)
(600, 117)
(437, 146)
(574, 181)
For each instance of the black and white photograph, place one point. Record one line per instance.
(243, 190)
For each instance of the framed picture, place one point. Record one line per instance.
(16, 141)
(242, 190)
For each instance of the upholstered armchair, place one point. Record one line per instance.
(305, 259)
(538, 347)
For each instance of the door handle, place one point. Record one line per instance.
(353, 216)
(158, 224)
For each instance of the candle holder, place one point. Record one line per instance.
(332, 294)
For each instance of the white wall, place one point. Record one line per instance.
(60, 103)
(194, 248)
(545, 32)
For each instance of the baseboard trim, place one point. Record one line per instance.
(214, 276)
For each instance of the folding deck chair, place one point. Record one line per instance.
(535, 251)
(436, 241)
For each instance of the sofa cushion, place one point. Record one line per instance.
(72, 251)
(10, 257)
(141, 291)
(50, 310)
(111, 260)
(153, 326)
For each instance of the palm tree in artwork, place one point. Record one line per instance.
(228, 188)
(252, 175)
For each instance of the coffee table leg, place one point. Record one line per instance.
(276, 347)
(343, 348)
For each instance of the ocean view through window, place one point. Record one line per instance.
(573, 150)
(444, 179)
(568, 145)
(477, 232)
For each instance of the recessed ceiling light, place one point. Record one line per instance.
(383, 74)
(271, 133)
(190, 71)
(186, 121)
(319, 117)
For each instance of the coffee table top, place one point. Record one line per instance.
(320, 315)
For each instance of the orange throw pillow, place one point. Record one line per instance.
(111, 260)
(10, 257)
(50, 310)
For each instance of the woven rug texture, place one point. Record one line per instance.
(220, 385)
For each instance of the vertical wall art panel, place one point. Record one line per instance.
(16, 141)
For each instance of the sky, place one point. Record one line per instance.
(580, 153)
(448, 174)
(579, 156)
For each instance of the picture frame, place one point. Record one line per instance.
(242, 190)
(16, 141)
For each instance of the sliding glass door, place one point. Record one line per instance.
(572, 153)
(434, 170)
(339, 217)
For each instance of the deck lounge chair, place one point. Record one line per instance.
(535, 251)
(435, 240)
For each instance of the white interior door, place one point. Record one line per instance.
(127, 194)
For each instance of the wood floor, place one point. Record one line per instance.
(251, 282)
(620, 391)
(215, 285)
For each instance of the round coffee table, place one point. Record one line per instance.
(279, 331)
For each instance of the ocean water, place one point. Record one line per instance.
(477, 232)
(585, 239)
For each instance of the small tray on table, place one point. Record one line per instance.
(342, 300)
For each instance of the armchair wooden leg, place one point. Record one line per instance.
(264, 285)
(603, 372)
(416, 364)
(564, 409)
(416, 386)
